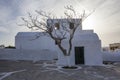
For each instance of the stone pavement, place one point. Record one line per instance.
(47, 70)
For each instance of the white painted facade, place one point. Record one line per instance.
(28, 41)
(92, 48)
(33, 55)
(82, 38)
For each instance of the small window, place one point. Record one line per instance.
(71, 26)
(57, 26)
(57, 41)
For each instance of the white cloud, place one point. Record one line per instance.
(4, 13)
(106, 16)
(54, 6)
(32, 5)
(4, 30)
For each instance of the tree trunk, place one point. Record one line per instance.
(68, 61)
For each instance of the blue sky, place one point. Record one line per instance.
(105, 20)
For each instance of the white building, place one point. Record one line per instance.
(86, 45)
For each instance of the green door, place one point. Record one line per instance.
(79, 55)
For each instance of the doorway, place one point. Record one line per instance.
(79, 55)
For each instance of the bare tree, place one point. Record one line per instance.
(45, 22)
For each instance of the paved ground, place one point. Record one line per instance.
(46, 70)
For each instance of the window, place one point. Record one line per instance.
(71, 25)
(57, 26)
(57, 41)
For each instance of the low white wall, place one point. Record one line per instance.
(111, 56)
(35, 55)
(30, 43)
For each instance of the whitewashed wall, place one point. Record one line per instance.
(92, 49)
(111, 56)
(84, 38)
(34, 55)
(30, 43)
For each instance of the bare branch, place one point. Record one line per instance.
(70, 8)
(84, 16)
(45, 21)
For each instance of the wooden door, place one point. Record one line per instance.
(79, 55)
